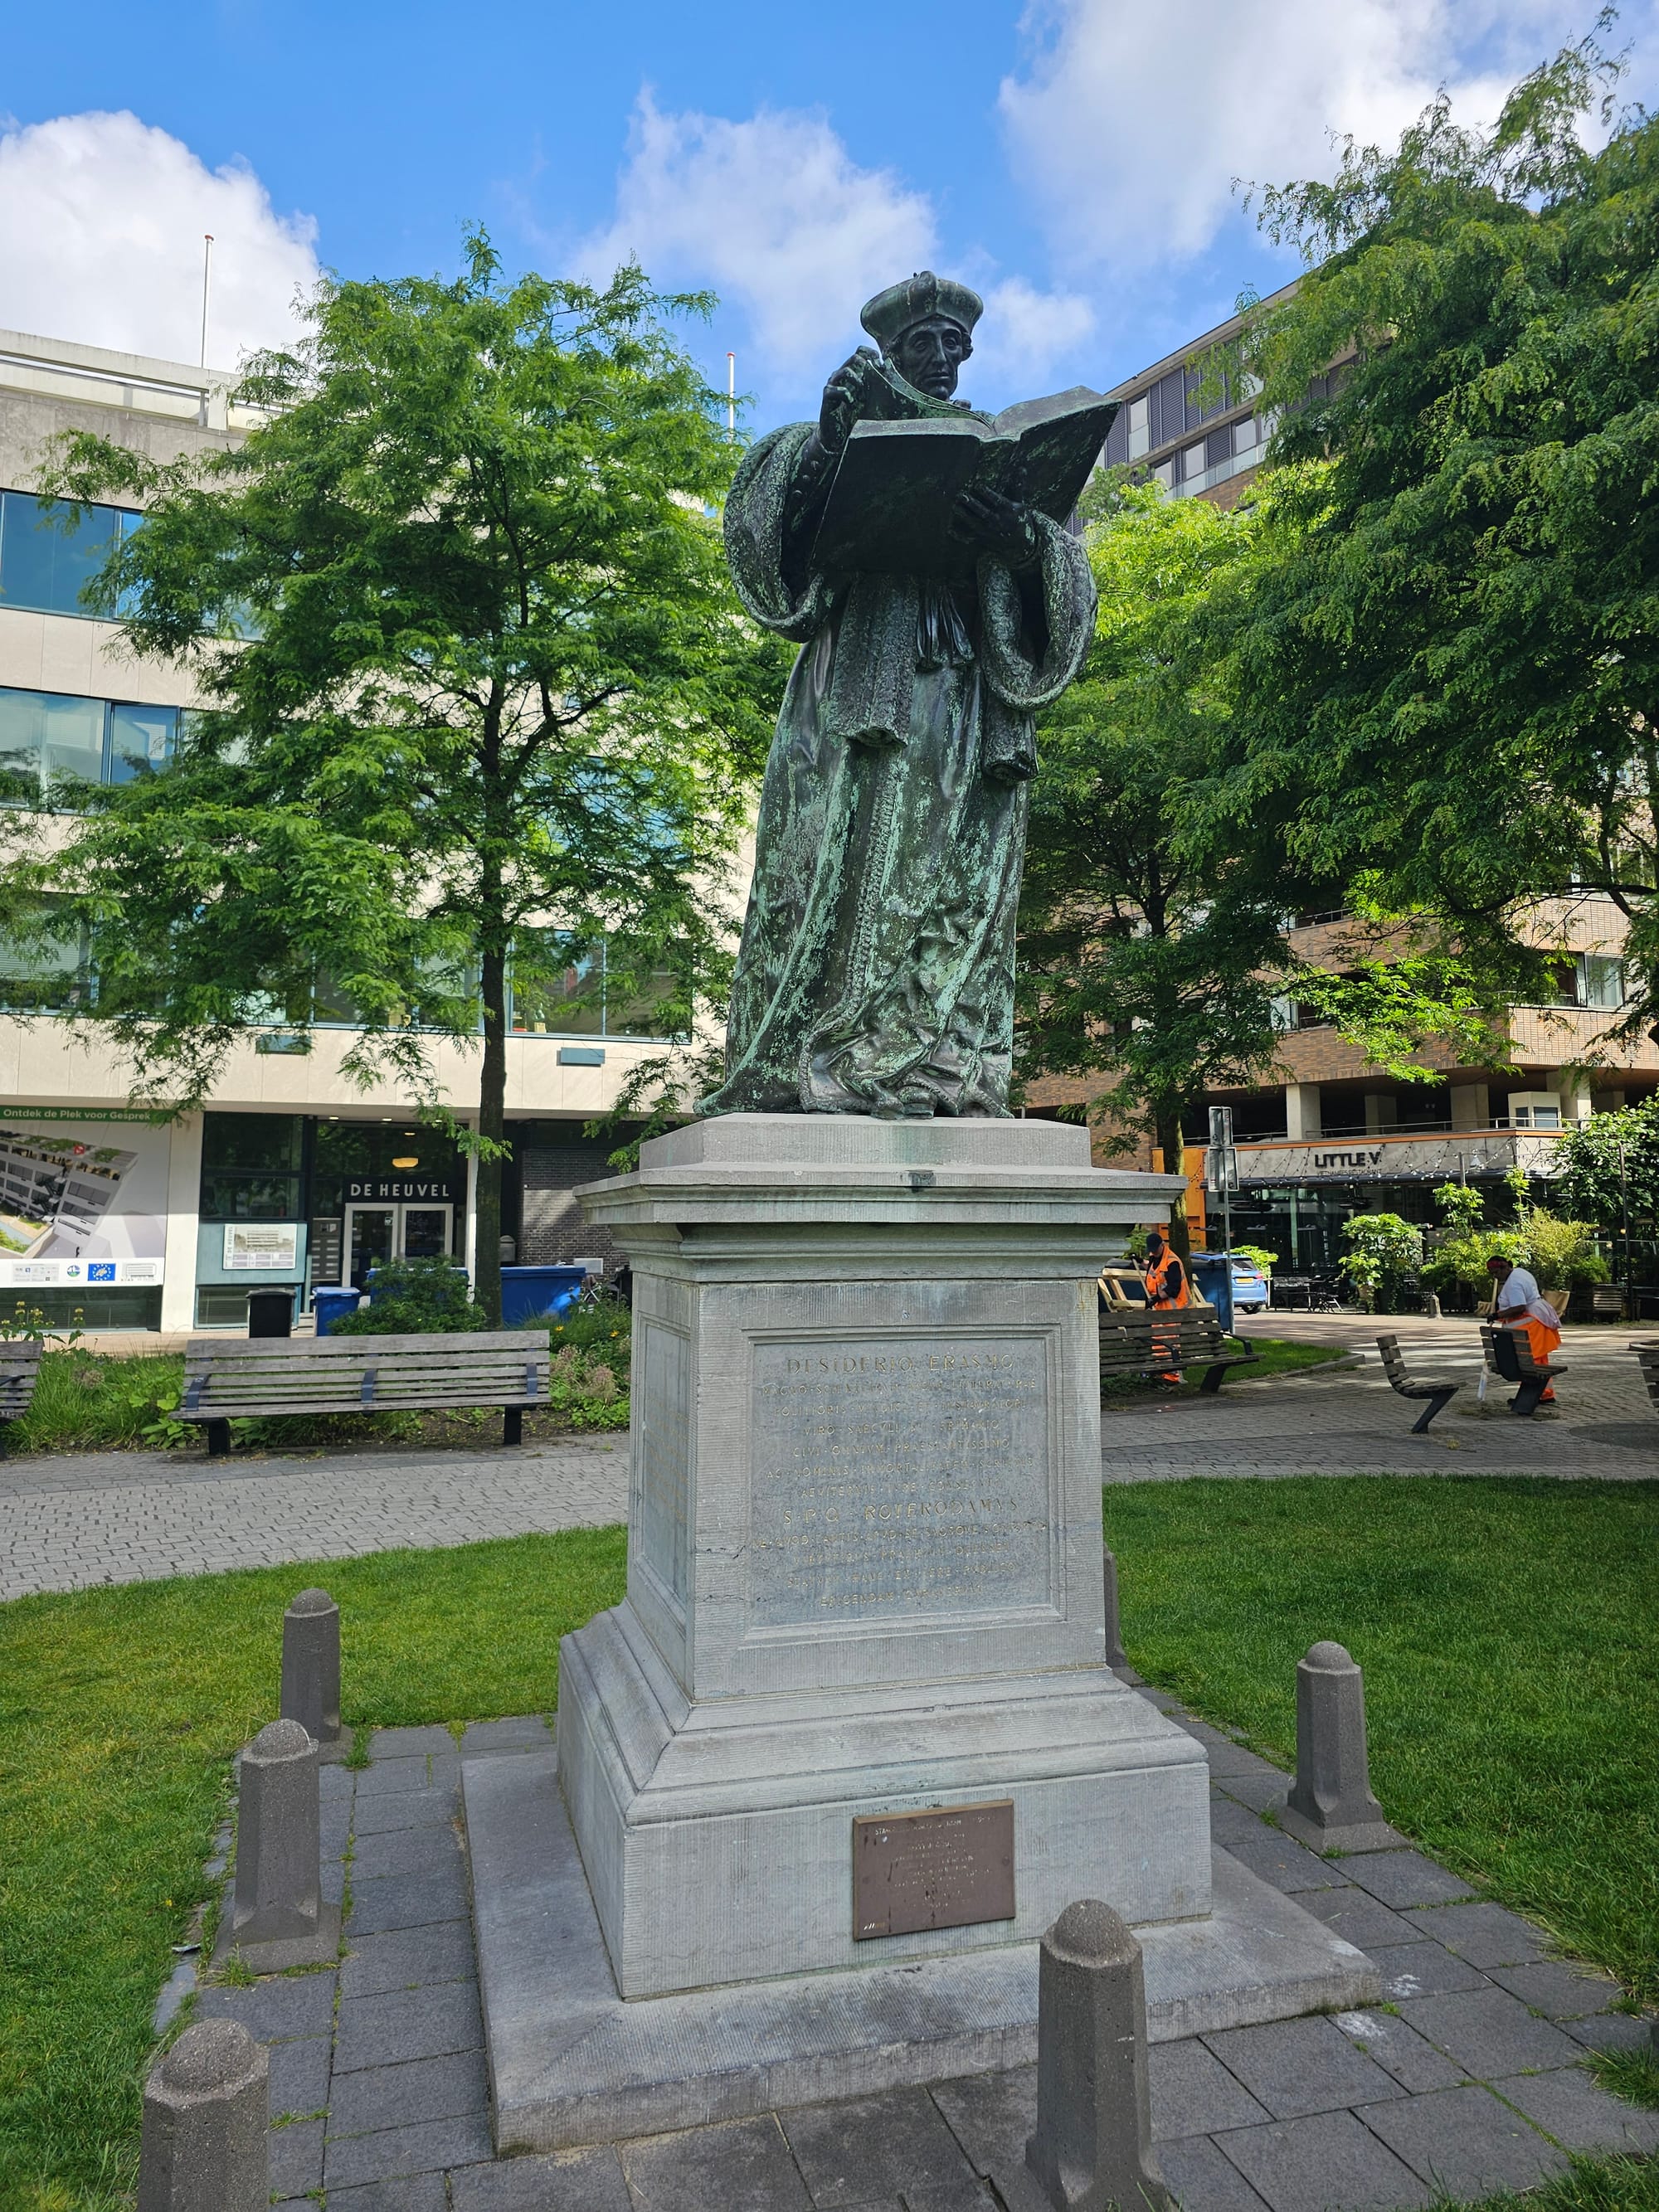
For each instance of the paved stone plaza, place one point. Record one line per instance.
(71, 1520)
(1474, 2080)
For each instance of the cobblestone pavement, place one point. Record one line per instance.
(1349, 1422)
(68, 1522)
(1475, 2079)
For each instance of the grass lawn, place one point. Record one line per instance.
(1510, 1635)
(1507, 1630)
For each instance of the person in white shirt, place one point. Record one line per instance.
(1518, 1304)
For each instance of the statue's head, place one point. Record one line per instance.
(925, 327)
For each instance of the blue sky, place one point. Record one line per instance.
(1072, 160)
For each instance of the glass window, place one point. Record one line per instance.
(1244, 436)
(555, 992)
(1164, 474)
(49, 551)
(1602, 983)
(253, 1141)
(1192, 462)
(44, 973)
(646, 1013)
(140, 740)
(251, 1167)
(1140, 427)
(45, 736)
(73, 747)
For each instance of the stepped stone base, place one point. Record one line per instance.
(571, 2062)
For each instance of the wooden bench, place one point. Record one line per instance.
(20, 1370)
(226, 1380)
(1439, 1393)
(1508, 1356)
(1158, 1340)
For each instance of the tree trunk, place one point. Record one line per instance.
(492, 1121)
(1168, 1132)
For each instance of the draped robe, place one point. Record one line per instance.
(876, 973)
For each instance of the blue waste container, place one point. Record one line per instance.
(537, 1293)
(1212, 1278)
(333, 1305)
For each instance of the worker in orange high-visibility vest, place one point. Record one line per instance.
(1166, 1282)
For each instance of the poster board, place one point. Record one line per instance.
(82, 1202)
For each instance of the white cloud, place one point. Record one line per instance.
(1025, 331)
(774, 215)
(101, 219)
(1130, 122)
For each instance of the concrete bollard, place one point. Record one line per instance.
(1093, 2145)
(277, 1919)
(1330, 1805)
(204, 2146)
(1116, 1655)
(310, 1665)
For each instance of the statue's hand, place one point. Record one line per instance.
(842, 396)
(993, 525)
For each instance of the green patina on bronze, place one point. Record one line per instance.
(877, 969)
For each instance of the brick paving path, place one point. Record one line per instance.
(1474, 2080)
(70, 1521)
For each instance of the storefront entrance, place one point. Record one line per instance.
(377, 1233)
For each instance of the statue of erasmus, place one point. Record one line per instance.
(877, 969)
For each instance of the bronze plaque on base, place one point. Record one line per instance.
(947, 1868)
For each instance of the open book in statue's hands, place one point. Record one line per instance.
(910, 457)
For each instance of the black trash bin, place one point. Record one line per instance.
(271, 1311)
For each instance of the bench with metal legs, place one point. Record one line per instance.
(1508, 1356)
(1439, 1393)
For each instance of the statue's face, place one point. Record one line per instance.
(930, 356)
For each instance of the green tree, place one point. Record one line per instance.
(1611, 1164)
(481, 697)
(1448, 663)
(1386, 1252)
(1144, 959)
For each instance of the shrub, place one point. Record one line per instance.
(1462, 1205)
(415, 1297)
(1258, 1255)
(1563, 1254)
(1387, 1253)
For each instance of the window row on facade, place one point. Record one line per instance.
(52, 972)
(51, 551)
(49, 737)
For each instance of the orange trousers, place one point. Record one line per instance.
(1543, 1343)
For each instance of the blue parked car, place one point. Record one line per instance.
(1250, 1292)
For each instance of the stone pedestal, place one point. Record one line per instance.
(865, 1554)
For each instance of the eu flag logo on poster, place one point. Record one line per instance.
(100, 1271)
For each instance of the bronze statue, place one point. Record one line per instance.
(917, 551)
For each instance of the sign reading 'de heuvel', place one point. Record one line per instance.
(398, 1190)
(950, 1867)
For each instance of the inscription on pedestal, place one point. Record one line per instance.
(899, 1476)
(951, 1868)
